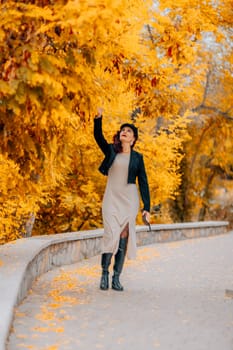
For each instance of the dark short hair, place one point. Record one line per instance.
(131, 126)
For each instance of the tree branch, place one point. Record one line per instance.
(202, 106)
(150, 34)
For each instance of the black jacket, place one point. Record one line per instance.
(136, 163)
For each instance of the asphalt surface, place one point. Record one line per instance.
(177, 297)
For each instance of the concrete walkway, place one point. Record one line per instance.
(174, 299)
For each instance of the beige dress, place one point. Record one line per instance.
(120, 207)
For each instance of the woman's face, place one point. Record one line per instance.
(127, 135)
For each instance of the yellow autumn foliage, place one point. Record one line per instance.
(59, 61)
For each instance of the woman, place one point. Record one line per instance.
(120, 206)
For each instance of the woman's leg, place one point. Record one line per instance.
(105, 263)
(119, 259)
(125, 232)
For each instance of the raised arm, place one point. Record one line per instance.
(98, 133)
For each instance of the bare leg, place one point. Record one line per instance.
(125, 232)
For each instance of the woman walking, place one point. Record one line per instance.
(120, 204)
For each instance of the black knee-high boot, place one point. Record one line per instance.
(105, 263)
(118, 265)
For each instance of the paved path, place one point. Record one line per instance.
(174, 299)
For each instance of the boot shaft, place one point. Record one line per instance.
(106, 261)
(120, 256)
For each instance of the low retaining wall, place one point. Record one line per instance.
(22, 261)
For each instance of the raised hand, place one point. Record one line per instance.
(99, 111)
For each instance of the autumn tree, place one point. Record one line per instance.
(186, 42)
(208, 156)
(59, 60)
